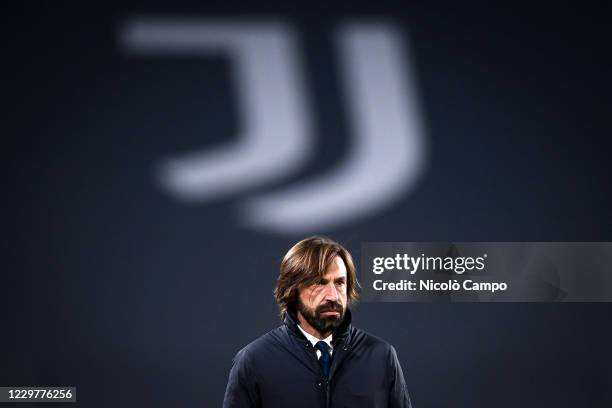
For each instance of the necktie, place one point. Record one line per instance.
(325, 359)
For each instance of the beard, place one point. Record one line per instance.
(322, 324)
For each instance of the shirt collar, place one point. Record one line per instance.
(315, 340)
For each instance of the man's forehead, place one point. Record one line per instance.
(336, 269)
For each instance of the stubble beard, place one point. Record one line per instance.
(322, 324)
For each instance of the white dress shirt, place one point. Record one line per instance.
(315, 340)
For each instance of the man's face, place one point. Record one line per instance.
(322, 304)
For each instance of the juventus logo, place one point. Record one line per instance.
(387, 149)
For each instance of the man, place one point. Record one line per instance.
(316, 358)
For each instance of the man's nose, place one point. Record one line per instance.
(331, 292)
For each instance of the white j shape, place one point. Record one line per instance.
(387, 148)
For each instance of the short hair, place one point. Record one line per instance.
(305, 264)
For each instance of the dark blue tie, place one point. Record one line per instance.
(325, 359)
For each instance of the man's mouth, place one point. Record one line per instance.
(330, 313)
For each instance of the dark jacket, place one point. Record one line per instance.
(281, 369)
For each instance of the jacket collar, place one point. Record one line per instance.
(340, 334)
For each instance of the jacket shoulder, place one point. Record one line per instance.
(262, 344)
(363, 339)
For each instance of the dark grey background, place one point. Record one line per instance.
(112, 286)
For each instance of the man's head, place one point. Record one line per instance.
(317, 282)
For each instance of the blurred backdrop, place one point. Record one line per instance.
(160, 160)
